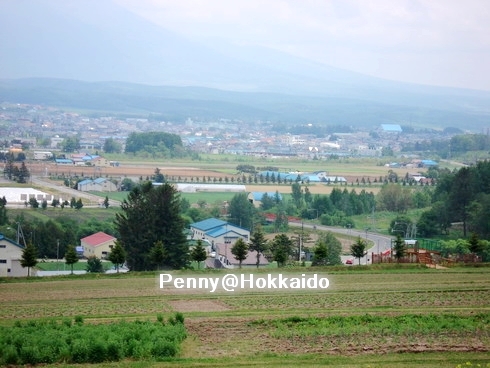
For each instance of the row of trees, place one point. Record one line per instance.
(117, 257)
(461, 196)
(284, 249)
(458, 144)
(14, 172)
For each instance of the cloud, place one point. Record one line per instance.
(406, 40)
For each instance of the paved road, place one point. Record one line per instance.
(380, 243)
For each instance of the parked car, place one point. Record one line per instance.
(349, 262)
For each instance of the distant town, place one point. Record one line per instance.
(42, 130)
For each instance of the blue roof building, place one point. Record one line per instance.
(217, 231)
(256, 197)
(391, 128)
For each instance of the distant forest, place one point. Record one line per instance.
(458, 144)
(152, 142)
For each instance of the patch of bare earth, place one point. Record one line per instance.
(198, 306)
(228, 336)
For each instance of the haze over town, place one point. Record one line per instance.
(351, 63)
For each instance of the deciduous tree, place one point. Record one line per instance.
(94, 265)
(333, 249)
(282, 249)
(320, 254)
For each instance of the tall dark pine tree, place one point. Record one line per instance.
(24, 174)
(240, 251)
(29, 257)
(151, 214)
(71, 256)
(461, 195)
(117, 255)
(399, 248)
(258, 243)
(241, 211)
(3, 211)
(157, 254)
(198, 253)
(8, 171)
(358, 248)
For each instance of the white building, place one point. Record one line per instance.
(43, 155)
(10, 257)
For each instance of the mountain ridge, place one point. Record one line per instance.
(179, 103)
(59, 52)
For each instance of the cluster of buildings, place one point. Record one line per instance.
(217, 235)
(221, 136)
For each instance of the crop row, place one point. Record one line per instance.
(379, 334)
(108, 307)
(415, 299)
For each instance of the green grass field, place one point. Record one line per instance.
(384, 316)
(62, 266)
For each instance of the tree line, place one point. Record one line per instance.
(461, 196)
(151, 223)
(456, 145)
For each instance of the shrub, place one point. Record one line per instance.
(9, 356)
(97, 352)
(47, 342)
(179, 317)
(29, 355)
(163, 349)
(79, 320)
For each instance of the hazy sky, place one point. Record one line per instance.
(436, 42)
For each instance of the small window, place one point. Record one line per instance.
(3, 246)
(3, 261)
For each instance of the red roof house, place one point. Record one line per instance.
(99, 244)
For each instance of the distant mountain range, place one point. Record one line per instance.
(61, 53)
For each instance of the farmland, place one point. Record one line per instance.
(368, 317)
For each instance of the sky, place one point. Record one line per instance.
(433, 42)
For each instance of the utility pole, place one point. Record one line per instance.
(57, 253)
(300, 242)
